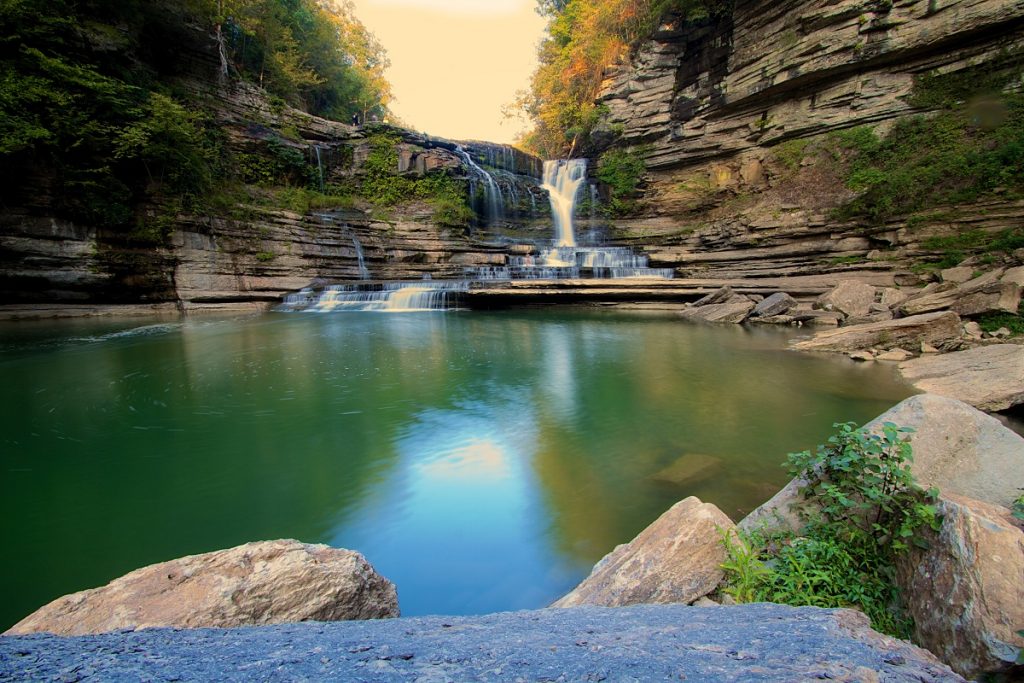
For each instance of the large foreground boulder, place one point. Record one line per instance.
(966, 592)
(268, 582)
(957, 449)
(676, 559)
(988, 377)
(639, 643)
(939, 329)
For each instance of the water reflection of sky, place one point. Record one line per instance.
(461, 503)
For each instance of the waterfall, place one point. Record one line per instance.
(364, 272)
(492, 192)
(319, 167)
(391, 297)
(562, 180)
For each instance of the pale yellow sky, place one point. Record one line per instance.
(455, 63)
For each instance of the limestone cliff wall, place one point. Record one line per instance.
(709, 105)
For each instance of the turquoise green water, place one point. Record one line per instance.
(483, 462)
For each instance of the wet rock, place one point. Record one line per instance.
(850, 297)
(776, 304)
(940, 328)
(688, 469)
(862, 356)
(267, 582)
(818, 318)
(966, 592)
(988, 377)
(675, 559)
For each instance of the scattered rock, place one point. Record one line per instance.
(720, 295)
(1014, 275)
(957, 275)
(890, 296)
(966, 592)
(690, 468)
(873, 317)
(849, 297)
(862, 356)
(987, 377)
(928, 348)
(898, 355)
(267, 582)
(776, 304)
(773, 320)
(675, 559)
(973, 330)
(735, 310)
(983, 294)
(706, 602)
(817, 318)
(941, 328)
(1002, 333)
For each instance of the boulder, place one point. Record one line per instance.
(988, 377)
(940, 328)
(862, 356)
(1014, 275)
(960, 449)
(973, 330)
(720, 295)
(735, 310)
(957, 448)
(676, 559)
(267, 582)
(957, 275)
(777, 304)
(890, 296)
(966, 591)
(849, 297)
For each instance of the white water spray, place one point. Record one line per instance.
(562, 180)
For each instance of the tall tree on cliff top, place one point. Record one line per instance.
(584, 38)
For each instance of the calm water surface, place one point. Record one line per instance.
(483, 462)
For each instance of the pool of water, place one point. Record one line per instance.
(482, 462)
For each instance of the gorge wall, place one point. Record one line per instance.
(736, 119)
(261, 240)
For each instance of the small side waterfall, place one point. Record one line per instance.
(423, 295)
(492, 191)
(562, 180)
(364, 272)
(319, 167)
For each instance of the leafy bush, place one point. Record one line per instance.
(861, 509)
(621, 171)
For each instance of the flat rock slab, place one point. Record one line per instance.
(907, 333)
(987, 377)
(642, 643)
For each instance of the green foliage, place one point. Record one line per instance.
(265, 256)
(862, 508)
(583, 38)
(972, 146)
(621, 171)
(277, 164)
(1014, 323)
(1018, 508)
(791, 153)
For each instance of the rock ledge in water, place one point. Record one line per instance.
(267, 582)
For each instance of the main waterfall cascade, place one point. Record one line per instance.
(563, 260)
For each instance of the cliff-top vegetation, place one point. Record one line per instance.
(585, 37)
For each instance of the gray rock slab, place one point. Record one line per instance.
(642, 643)
(987, 377)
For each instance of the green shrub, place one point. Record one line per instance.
(861, 509)
(265, 256)
(621, 170)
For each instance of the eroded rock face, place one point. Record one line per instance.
(267, 582)
(966, 592)
(939, 329)
(988, 377)
(675, 559)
